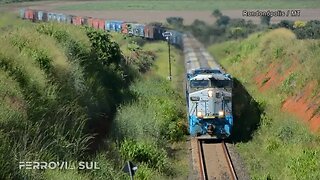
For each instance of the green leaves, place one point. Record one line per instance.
(106, 51)
(143, 152)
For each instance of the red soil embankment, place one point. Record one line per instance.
(304, 107)
(273, 78)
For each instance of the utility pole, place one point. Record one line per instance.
(170, 75)
(168, 35)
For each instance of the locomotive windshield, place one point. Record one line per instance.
(199, 83)
(221, 83)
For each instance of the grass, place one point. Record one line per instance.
(161, 66)
(61, 87)
(54, 94)
(13, 102)
(191, 5)
(154, 115)
(282, 147)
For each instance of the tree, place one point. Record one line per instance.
(265, 20)
(223, 20)
(216, 13)
(299, 24)
(286, 24)
(175, 21)
(310, 30)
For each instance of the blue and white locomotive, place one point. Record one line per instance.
(208, 94)
(209, 103)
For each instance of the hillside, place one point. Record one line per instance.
(69, 93)
(281, 74)
(57, 103)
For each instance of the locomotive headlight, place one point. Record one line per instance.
(199, 114)
(221, 113)
(210, 93)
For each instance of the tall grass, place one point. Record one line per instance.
(58, 98)
(282, 147)
(61, 86)
(153, 117)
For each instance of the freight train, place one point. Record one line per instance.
(148, 31)
(208, 88)
(208, 93)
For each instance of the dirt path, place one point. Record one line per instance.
(146, 16)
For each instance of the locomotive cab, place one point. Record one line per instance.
(210, 104)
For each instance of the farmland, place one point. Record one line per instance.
(158, 11)
(190, 5)
(271, 65)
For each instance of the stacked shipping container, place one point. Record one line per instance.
(147, 31)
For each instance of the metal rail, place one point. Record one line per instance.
(206, 171)
(214, 158)
(230, 164)
(203, 173)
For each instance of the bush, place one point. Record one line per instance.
(67, 84)
(108, 170)
(265, 20)
(151, 114)
(223, 20)
(223, 29)
(176, 22)
(286, 24)
(303, 30)
(143, 152)
(281, 147)
(216, 13)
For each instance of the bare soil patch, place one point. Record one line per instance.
(147, 16)
(273, 78)
(303, 107)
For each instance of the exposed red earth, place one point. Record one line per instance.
(305, 107)
(301, 105)
(273, 78)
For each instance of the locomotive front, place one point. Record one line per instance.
(210, 105)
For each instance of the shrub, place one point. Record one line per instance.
(108, 170)
(286, 24)
(143, 152)
(223, 20)
(69, 83)
(265, 20)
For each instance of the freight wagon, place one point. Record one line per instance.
(148, 31)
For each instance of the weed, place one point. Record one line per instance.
(281, 147)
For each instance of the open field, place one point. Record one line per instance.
(190, 5)
(189, 10)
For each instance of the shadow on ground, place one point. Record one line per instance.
(246, 112)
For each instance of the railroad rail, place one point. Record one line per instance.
(215, 161)
(211, 158)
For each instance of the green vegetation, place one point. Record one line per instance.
(223, 29)
(62, 86)
(147, 125)
(303, 30)
(191, 5)
(63, 82)
(282, 147)
(151, 127)
(226, 28)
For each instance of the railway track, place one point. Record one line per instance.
(211, 157)
(197, 56)
(215, 161)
